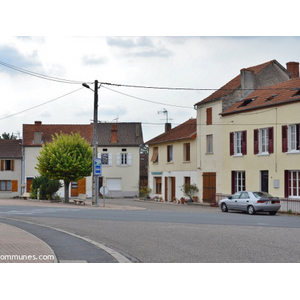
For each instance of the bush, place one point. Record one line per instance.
(47, 188)
(144, 192)
(190, 190)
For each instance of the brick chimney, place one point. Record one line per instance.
(168, 127)
(247, 82)
(293, 68)
(114, 134)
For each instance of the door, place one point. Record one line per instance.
(28, 184)
(78, 187)
(209, 187)
(264, 177)
(166, 189)
(243, 201)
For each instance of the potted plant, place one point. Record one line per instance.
(190, 190)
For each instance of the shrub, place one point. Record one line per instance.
(47, 188)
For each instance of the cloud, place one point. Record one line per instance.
(139, 46)
(93, 60)
(12, 56)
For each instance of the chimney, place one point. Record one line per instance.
(114, 134)
(293, 68)
(247, 82)
(37, 138)
(168, 127)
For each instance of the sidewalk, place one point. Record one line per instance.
(20, 246)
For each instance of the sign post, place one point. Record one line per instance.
(97, 171)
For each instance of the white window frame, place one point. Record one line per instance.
(170, 153)
(263, 144)
(124, 159)
(239, 181)
(293, 138)
(209, 144)
(295, 175)
(238, 136)
(109, 162)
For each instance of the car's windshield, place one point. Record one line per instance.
(262, 195)
(236, 195)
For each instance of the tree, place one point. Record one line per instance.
(190, 190)
(7, 136)
(67, 157)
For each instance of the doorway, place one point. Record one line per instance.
(264, 181)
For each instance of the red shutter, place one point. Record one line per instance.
(245, 181)
(244, 142)
(284, 138)
(231, 139)
(286, 184)
(255, 141)
(271, 140)
(232, 182)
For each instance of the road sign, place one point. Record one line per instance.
(97, 167)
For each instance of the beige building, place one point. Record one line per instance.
(212, 142)
(173, 160)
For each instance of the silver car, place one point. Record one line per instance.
(251, 202)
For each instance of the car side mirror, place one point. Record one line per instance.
(230, 197)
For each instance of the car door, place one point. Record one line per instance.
(233, 202)
(243, 201)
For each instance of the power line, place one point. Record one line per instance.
(20, 112)
(179, 106)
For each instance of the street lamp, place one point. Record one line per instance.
(95, 139)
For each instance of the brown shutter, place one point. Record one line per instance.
(12, 165)
(81, 185)
(2, 165)
(244, 142)
(14, 185)
(284, 138)
(286, 183)
(232, 182)
(271, 140)
(231, 138)
(155, 154)
(209, 116)
(255, 141)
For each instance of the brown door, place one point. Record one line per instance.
(173, 187)
(78, 187)
(28, 184)
(209, 187)
(166, 189)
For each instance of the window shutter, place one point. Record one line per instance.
(12, 165)
(232, 182)
(298, 127)
(155, 154)
(2, 165)
(209, 116)
(244, 142)
(14, 185)
(118, 159)
(286, 184)
(284, 138)
(110, 158)
(271, 140)
(129, 159)
(231, 143)
(255, 141)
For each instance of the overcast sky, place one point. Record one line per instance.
(187, 62)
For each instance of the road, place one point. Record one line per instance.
(166, 233)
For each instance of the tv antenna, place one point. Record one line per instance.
(166, 113)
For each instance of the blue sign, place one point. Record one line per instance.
(97, 167)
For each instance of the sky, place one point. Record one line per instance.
(189, 62)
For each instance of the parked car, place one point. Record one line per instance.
(251, 202)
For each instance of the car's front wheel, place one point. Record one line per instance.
(272, 213)
(251, 210)
(224, 207)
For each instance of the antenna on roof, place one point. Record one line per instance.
(165, 112)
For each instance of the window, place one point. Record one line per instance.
(124, 159)
(157, 182)
(187, 180)
(238, 143)
(9, 185)
(154, 157)
(7, 165)
(170, 154)
(209, 116)
(290, 138)
(263, 141)
(209, 143)
(292, 182)
(238, 181)
(186, 152)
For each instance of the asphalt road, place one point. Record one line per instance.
(163, 233)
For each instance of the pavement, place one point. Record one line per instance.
(19, 246)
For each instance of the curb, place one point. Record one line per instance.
(119, 257)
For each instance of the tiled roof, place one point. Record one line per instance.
(10, 148)
(275, 95)
(235, 83)
(187, 130)
(86, 131)
(128, 134)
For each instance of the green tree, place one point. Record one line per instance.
(67, 157)
(7, 136)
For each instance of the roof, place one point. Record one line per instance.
(187, 130)
(275, 95)
(235, 83)
(10, 148)
(47, 130)
(128, 134)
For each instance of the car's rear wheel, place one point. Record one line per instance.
(224, 207)
(272, 213)
(251, 210)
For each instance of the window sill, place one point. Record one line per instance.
(293, 152)
(263, 154)
(237, 155)
(209, 153)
